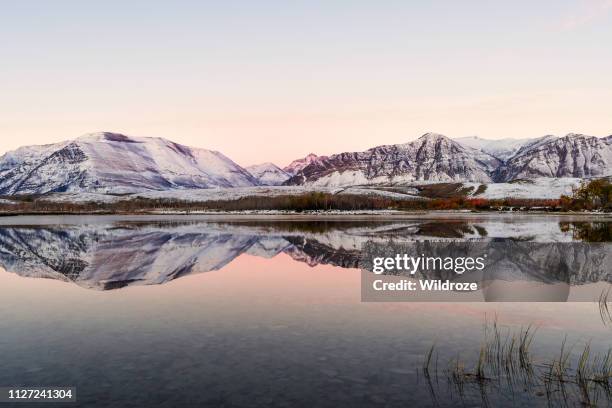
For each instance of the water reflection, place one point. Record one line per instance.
(512, 270)
(589, 231)
(120, 253)
(267, 329)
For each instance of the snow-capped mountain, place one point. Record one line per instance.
(115, 163)
(268, 174)
(503, 149)
(574, 155)
(436, 158)
(297, 165)
(432, 157)
(534, 143)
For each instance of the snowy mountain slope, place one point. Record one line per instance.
(297, 165)
(268, 174)
(432, 157)
(574, 155)
(115, 163)
(535, 143)
(542, 188)
(27, 155)
(111, 163)
(503, 149)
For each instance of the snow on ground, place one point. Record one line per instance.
(85, 197)
(214, 194)
(364, 191)
(501, 148)
(544, 188)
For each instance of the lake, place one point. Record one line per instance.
(267, 311)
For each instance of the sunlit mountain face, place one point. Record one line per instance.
(112, 163)
(115, 254)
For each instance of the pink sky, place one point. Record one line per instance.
(281, 80)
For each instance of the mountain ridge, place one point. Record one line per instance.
(572, 156)
(114, 163)
(431, 157)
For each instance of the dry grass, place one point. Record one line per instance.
(604, 307)
(505, 362)
(444, 190)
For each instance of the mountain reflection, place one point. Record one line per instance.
(118, 254)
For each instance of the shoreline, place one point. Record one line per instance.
(57, 218)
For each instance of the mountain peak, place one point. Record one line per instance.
(433, 136)
(106, 136)
(573, 135)
(432, 157)
(295, 166)
(115, 163)
(265, 164)
(268, 174)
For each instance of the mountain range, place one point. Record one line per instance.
(436, 158)
(432, 157)
(118, 164)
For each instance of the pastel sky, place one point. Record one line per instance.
(275, 80)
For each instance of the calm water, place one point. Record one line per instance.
(188, 311)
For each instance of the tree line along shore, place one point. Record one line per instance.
(591, 196)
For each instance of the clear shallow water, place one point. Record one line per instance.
(252, 313)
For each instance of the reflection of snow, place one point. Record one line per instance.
(540, 231)
(268, 247)
(126, 253)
